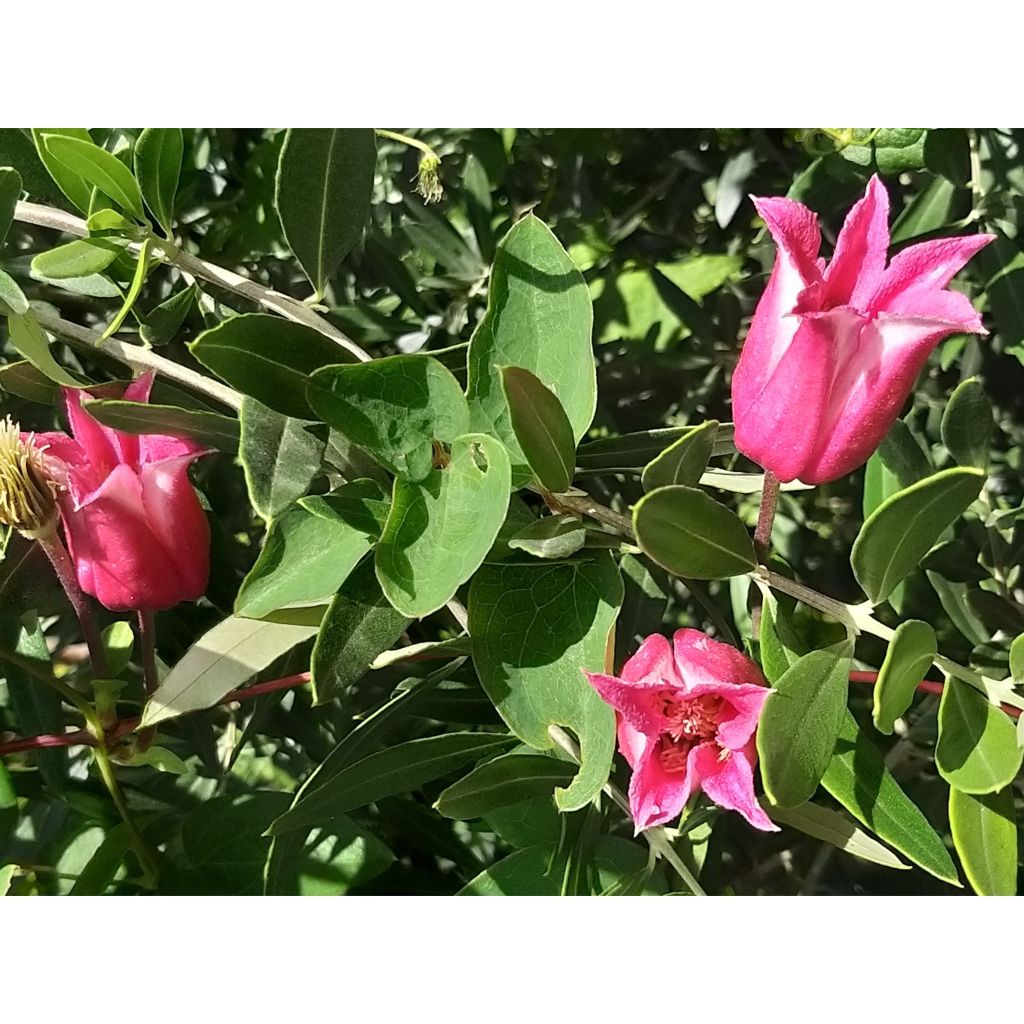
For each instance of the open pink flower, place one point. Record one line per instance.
(136, 531)
(687, 712)
(834, 350)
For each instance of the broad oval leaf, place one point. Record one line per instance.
(305, 558)
(967, 425)
(439, 530)
(800, 722)
(550, 537)
(535, 628)
(396, 769)
(977, 748)
(395, 407)
(984, 831)
(163, 322)
(538, 317)
(359, 625)
(911, 651)
(218, 662)
(280, 456)
(11, 296)
(99, 168)
(690, 534)
(323, 191)
(268, 358)
(76, 259)
(858, 778)
(158, 153)
(684, 461)
(541, 427)
(509, 779)
(210, 428)
(904, 528)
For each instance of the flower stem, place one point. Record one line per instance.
(147, 640)
(65, 570)
(147, 860)
(766, 515)
(407, 140)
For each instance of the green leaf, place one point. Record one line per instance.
(691, 534)
(831, 827)
(858, 778)
(530, 872)
(199, 425)
(798, 728)
(977, 748)
(133, 293)
(440, 530)
(541, 427)
(393, 770)
(360, 504)
(684, 461)
(280, 457)
(508, 779)
(37, 708)
(967, 425)
(9, 813)
(98, 168)
(539, 318)
(776, 658)
(904, 528)
(101, 869)
(31, 341)
(158, 153)
(535, 628)
(268, 358)
(6, 878)
(323, 191)
(11, 295)
(70, 182)
(359, 625)
(934, 206)
(911, 652)
(21, 378)
(901, 452)
(395, 407)
(76, 259)
(636, 450)
(985, 836)
(1017, 659)
(219, 661)
(10, 193)
(305, 558)
(164, 321)
(550, 537)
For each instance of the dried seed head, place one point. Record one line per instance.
(27, 494)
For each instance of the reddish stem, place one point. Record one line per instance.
(925, 686)
(83, 737)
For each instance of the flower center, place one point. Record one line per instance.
(692, 719)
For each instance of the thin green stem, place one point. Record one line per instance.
(407, 140)
(147, 860)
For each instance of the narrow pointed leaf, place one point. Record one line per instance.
(68, 180)
(158, 153)
(210, 428)
(541, 427)
(509, 779)
(99, 168)
(76, 259)
(684, 461)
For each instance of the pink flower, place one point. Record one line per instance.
(687, 712)
(834, 350)
(135, 528)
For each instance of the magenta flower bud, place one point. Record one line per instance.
(834, 350)
(687, 712)
(135, 529)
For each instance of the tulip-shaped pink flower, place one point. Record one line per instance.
(834, 350)
(687, 713)
(136, 531)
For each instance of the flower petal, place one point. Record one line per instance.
(778, 415)
(703, 660)
(870, 389)
(921, 270)
(854, 274)
(652, 662)
(94, 439)
(639, 704)
(657, 796)
(729, 782)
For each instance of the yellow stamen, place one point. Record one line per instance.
(27, 498)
